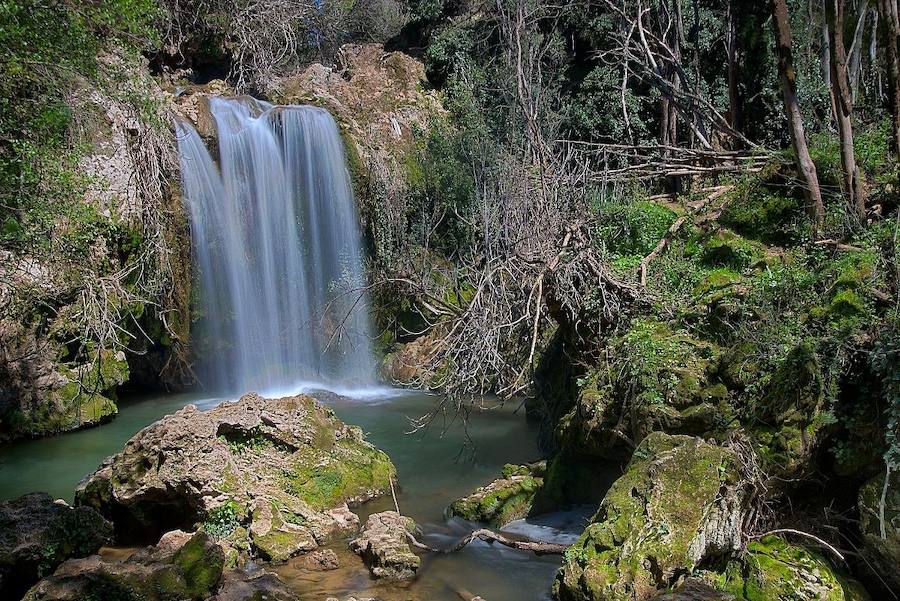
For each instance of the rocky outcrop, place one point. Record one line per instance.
(384, 546)
(881, 529)
(37, 534)
(695, 590)
(181, 566)
(679, 503)
(774, 569)
(273, 476)
(503, 500)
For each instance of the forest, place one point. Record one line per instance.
(627, 265)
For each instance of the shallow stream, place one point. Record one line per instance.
(433, 466)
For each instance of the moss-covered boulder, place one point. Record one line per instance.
(775, 570)
(37, 534)
(182, 566)
(656, 378)
(881, 528)
(503, 500)
(273, 476)
(680, 502)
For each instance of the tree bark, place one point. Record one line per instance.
(854, 187)
(805, 165)
(889, 19)
(731, 46)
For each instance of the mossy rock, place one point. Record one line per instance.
(503, 500)
(727, 249)
(775, 570)
(656, 378)
(678, 503)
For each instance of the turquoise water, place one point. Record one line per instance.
(435, 466)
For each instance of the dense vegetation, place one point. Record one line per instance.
(646, 217)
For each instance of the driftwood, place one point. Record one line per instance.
(536, 547)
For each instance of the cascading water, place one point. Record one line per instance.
(276, 240)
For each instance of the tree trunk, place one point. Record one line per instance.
(805, 165)
(889, 18)
(731, 45)
(854, 187)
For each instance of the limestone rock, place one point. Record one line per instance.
(695, 590)
(38, 533)
(678, 503)
(258, 585)
(384, 546)
(503, 500)
(775, 569)
(180, 567)
(320, 560)
(884, 552)
(273, 474)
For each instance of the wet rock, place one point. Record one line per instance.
(258, 585)
(182, 566)
(503, 500)
(273, 475)
(37, 534)
(384, 546)
(884, 551)
(678, 503)
(320, 561)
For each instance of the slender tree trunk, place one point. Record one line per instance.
(805, 165)
(889, 18)
(854, 187)
(731, 45)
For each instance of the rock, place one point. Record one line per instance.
(503, 500)
(774, 569)
(253, 586)
(181, 567)
(657, 379)
(37, 534)
(320, 561)
(695, 590)
(883, 552)
(270, 475)
(384, 546)
(678, 503)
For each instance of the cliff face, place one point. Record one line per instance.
(95, 288)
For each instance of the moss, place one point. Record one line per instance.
(727, 249)
(644, 531)
(775, 569)
(201, 562)
(501, 501)
(761, 213)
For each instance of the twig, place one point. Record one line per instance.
(536, 547)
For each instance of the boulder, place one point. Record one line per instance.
(695, 590)
(503, 500)
(182, 566)
(773, 569)
(679, 503)
(384, 546)
(37, 534)
(882, 539)
(258, 585)
(272, 476)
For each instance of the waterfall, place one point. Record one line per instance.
(276, 241)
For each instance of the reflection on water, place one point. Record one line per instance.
(432, 471)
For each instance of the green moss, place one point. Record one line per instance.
(201, 561)
(762, 213)
(501, 501)
(727, 249)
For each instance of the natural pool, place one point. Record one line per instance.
(433, 467)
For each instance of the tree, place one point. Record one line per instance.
(890, 19)
(854, 187)
(805, 165)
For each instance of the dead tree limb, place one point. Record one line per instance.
(536, 547)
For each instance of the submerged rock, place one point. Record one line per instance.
(37, 534)
(503, 500)
(181, 566)
(678, 503)
(254, 586)
(384, 546)
(270, 475)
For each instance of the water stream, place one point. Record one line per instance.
(431, 473)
